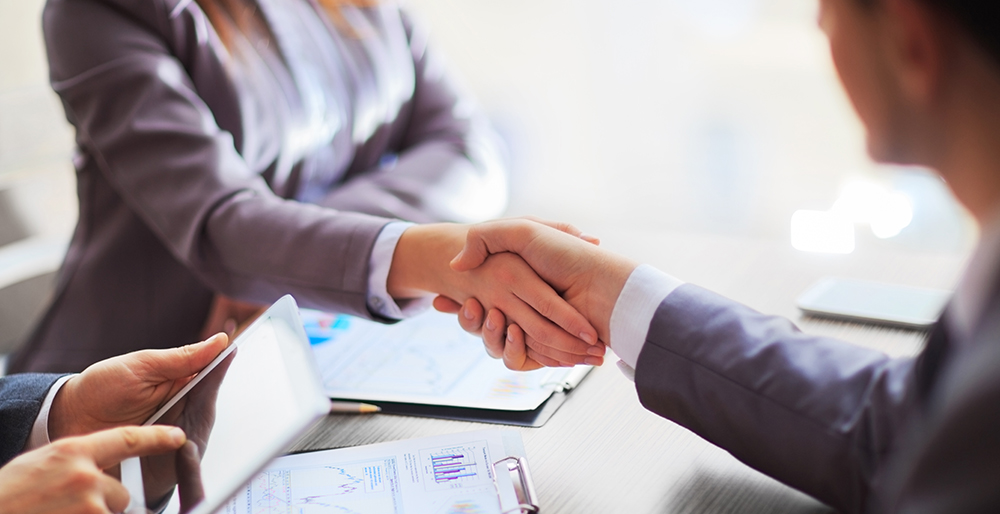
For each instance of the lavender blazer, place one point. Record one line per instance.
(254, 173)
(852, 427)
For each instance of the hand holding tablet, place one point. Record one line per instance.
(241, 411)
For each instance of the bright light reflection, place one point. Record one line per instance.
(887, 212)
(822, 232)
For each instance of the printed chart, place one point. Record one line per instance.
(456, 467)
(428, 359)
(368, 487)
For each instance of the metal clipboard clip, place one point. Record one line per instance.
(523, 487)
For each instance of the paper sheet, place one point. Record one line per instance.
(448, 474)
(428, 359)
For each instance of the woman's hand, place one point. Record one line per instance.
(68, 475)
(421, 265)
(127, 390)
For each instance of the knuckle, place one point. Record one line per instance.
(93, 505)
(130, 437)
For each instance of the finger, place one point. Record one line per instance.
(446, 305)
(116, 497)
(541, 360)
(551, 359)
(181, 362)
(520, 354)
(494, 333)
(472, 317)
(110, 447)
(544, 300)
(514, 351)
(549, 340)
(567, 228)
(189, 488)
(557, 343)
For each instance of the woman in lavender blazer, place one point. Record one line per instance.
(247, 148)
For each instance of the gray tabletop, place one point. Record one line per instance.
(602, 452)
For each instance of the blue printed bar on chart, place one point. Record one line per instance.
(454, 466)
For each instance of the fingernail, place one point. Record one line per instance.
(594, 361)
(490, 325)
(177, 435)
(510, 337)
(468, 313)
(597, 351)
(588, 338)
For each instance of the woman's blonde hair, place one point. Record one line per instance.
(244, 16)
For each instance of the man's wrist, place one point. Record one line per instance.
(601, 294)
(61, 415)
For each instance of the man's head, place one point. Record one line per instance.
(924, 76)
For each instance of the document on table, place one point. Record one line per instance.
(447, 474)
(427, 359)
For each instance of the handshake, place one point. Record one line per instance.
(539, 293)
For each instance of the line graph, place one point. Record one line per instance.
(369, 487)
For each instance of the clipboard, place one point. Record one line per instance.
(516, 465)
(431, 474)
(427, 366)
(531, 418)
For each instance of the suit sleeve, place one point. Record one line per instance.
(817, 414)
(139, 116)
(449, 166)
(21, 397)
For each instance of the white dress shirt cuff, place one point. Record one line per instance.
(643, 293)
(40, 430)
(379, 301)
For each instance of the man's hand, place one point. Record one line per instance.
(68, 476)
(127, 390)
(505, 282)
(588, 277)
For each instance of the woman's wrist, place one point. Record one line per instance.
(420, 263)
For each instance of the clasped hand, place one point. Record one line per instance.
(586, 277)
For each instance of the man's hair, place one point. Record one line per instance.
(981, 18)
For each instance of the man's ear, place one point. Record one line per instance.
(916, 40)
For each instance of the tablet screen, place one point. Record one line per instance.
(246, 408)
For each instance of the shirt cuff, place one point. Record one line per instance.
(40, 430)
(643, 293)
(379, 301)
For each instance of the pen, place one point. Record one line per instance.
(353, 408)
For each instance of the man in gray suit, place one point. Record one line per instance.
(852, 427)
(91, 418)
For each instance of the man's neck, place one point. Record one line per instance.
(969, 159)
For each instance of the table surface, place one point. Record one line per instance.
(602, 452)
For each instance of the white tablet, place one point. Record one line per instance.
(244, 409)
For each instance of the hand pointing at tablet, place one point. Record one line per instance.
(127, 390)
(68, 475)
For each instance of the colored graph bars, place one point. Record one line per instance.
(453, 465)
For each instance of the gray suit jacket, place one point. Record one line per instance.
(849, 426)
(189, 160)
(21, 398)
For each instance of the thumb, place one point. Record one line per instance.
(512, 235)
(110, 447)
(184, 361)
(493, 237)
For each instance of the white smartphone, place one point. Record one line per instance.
(874, 302)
